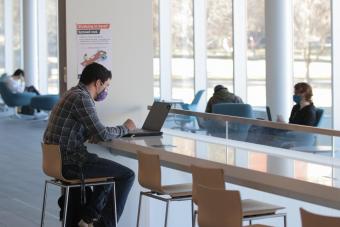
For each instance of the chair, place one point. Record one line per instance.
(214, 178)
(15, 99)
(149, 176)
(52, 167)
(44, 102)
(318, 114)
(193, 105)
(219, 208)
(236, 131)
(309, 219)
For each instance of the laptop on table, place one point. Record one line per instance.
(153, 122)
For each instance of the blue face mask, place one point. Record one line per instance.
(297, 98)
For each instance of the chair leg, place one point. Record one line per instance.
(43, 207)
(115, 203)
(166, 214)
(67, 191)
(139, 208)
(192, 214)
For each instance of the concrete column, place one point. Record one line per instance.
(43, 47)
(8, 21)
(279, 56)
(30, 42)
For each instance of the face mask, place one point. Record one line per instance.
(297, 98)
(101, 96)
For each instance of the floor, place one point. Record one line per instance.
(22, 179)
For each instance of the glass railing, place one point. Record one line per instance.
(313, 140)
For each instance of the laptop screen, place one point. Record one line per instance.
(269, 115)
(157, 115)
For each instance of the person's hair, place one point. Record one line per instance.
(219, 87)
(304, 88)
(94, 72)
(19, 72)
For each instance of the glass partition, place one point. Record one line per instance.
(311, 140)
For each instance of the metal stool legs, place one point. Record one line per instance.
(67, 191)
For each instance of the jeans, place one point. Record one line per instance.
(100, 204)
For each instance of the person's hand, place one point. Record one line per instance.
(280, 119)
(129, 124)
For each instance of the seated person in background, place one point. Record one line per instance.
(303, 112)
(16, 83)
(221, 95)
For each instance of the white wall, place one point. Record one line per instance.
(131, 88)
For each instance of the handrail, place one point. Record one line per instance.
(263, 123)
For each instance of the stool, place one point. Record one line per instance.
(52, 166)
(149, 176)
(44, 102)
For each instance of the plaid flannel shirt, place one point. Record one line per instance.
(73, 121)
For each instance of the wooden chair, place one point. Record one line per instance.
(214, 178)
(52, 167)
(149, 177)
(219, 208)
(309, 219)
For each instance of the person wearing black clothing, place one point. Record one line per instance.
(303, 113)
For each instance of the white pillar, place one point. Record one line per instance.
(240, 48)
(30, 42)
(279, 56)
(43, 47)
(8, 22)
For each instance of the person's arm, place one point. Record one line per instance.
(86, 113)
(309, 117)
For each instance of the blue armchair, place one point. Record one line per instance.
(193, 105)
(14, 99)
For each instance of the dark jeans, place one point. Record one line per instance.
(100, 204)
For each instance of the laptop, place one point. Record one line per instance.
(269, 115)
(153, 122)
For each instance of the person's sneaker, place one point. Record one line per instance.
(82, 223)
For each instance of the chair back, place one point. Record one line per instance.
(208, 177)
(197, 97)
(318, 114)
(309, 219)
(149, 171)
(51, 161)
(219, 208)
(14, 99)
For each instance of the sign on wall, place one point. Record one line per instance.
(94, 45)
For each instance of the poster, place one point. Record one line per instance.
(94, 44)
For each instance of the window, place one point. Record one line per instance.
(256, 64)
(182, 62)
(2, 38)
(17, 35)
(219, 44)
(155, 36)
(312, 51)
(52, 47)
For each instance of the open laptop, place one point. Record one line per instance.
(269, 115)
(153, 122)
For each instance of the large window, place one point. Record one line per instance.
(17, 34)
(312, 50)
(155, 36)
(219, 44)
(2, 38)
(256, 64)
(52, 47)
(182, 44)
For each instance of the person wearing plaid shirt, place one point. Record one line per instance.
(72, 122)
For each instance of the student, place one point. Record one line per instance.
(221, 94)
(303, 112)
(16, 83)
(72, 122)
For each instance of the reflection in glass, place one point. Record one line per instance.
(219, 44)
(182, 50)
(17, 36)
(256, 65)
(313, 173)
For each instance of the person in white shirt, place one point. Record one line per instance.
(16, 83)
